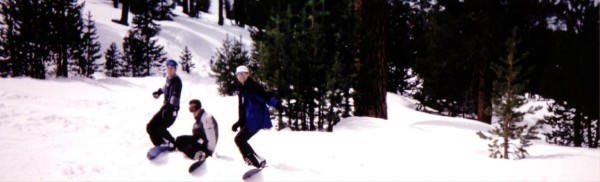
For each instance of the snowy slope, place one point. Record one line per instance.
(202, 36)
(72, 129)
(82, 129)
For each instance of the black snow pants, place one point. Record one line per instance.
(189, 145)
(157, 127)
(241, 140)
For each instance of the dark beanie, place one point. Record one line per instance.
(196, 102)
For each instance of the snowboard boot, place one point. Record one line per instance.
(262, 164)
(255, 160)
(170, 145)
(199, 156)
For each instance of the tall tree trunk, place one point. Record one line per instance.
(186, 5)
(124, 12)
(577, 129)
(221, 12)
(116, 3)
(62, 62)
(595, 142)
(192, 9)
(483, 96)
(370, 80)
(505, 134)
(588, 126)
(240, 12)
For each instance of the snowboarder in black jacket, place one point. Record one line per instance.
(205, 134)
(165, 117)
(253, 114)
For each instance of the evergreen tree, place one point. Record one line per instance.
(186, 60)
(25, 50)
(462, 39)
(570, 65)
(40, 34)
(562, 130)
(195, 6)
(306, 59)
(161, 10)
(405, 42)
(90, 49)
(509, 89)
(42, 37)
(114, 65)
(227, 58)
(64, 36)
(142, 53)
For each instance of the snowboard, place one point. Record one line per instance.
(156, 151)
(248, 174)
(196, 164)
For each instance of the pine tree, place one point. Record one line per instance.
(24, 44)
(113, 65)
(186, 60)
(509, 89)
(227, 58)
(161, 10)
(562, 130)
(570, 65)
(7, 37)
(90, 49)
(405, 43)
(64, 36)
(142, 53)
(195, 6)
(42, 37)
(305, 57)
(561, 122)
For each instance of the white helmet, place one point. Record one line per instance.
(241, 69)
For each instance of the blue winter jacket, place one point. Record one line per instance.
(253, 101)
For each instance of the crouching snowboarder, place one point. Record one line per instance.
(205, 134)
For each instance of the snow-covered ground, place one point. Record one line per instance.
(83, 129)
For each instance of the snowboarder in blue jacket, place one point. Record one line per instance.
(253, 114)
(165, 117)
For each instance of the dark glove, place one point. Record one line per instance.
(157, 93)
(235, 126)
